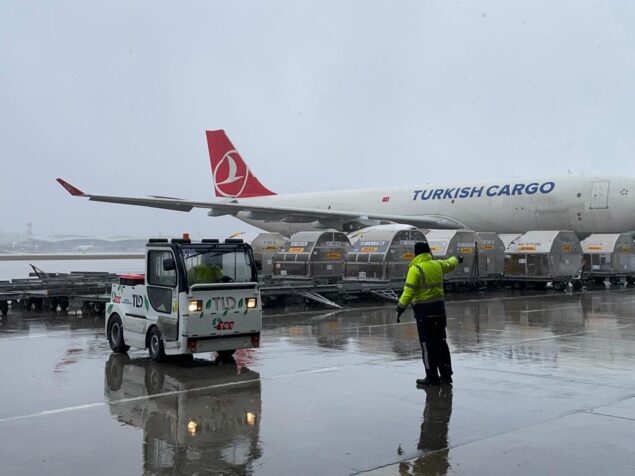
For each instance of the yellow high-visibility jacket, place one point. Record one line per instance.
(424, 282)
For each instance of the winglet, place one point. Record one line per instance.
(74, 191)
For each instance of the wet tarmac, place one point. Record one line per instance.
(544, 384)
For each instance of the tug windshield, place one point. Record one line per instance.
(208, 266)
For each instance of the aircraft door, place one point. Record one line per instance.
(600, 195)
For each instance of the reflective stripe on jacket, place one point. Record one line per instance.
(424, 282)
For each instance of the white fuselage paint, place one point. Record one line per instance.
(581, 204)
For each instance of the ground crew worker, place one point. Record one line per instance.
(424, 289)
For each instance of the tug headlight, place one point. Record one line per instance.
(192, 427)
(252, 303)
(195, 306)
(251, 418)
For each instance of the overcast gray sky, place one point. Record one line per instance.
(115, 97)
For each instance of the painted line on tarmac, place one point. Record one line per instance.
(611, 316)
(124, 400)
(396, 466)
(385, 325)
(591, 412)
(50, 334)
(545, 295)
(579, 306)
(610, 339)
(556, 336)
(86, 406)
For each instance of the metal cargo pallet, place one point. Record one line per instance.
(53, 290)
(326, 294)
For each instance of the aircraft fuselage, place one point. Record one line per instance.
(581, 204)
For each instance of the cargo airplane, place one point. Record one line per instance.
(582, 204)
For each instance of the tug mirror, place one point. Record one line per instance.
(169, 264)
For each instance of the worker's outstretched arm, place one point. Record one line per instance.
(449, 264)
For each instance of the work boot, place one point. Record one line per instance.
(428, 381)
(446, 380)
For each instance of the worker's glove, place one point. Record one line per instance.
(400, 311)
(460, 258)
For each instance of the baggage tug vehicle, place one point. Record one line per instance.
(194, 297)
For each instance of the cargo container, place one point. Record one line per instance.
(491, 256)
(447, 243)
(540, 257)
(609, 255)
(382, 253)
(317, 255)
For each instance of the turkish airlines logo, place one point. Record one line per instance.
(231, 175)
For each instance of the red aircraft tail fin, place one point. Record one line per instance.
(232, 177)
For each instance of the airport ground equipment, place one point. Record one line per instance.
(382, 253)
(265, 246)
(447, 243)
(206, 421)
(52, 291)
(508, 238)
(194, 297)
(490, 251)
(539, 257)
(277, 291)
(316, 255)
(609, 256)
(358, 234)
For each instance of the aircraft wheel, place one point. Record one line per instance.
(4, 307)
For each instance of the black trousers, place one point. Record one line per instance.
(431, 322)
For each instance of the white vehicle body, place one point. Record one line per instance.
(582, 204)
(172, 312)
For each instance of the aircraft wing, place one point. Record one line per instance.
(320, 217)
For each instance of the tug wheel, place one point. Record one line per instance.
(155, 345)
(115, 335)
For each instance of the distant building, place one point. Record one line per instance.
(69, 244)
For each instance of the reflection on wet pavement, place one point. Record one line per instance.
(204, 415)
(333, 393)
